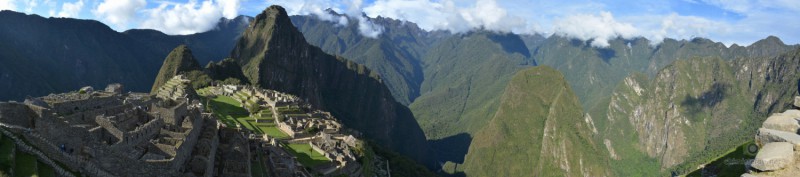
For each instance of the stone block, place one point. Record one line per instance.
(781, 122)
(797, 101)
(766, 136)
(792, 113)
(747, 175)
(774, 156)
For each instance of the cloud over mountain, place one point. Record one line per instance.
(740, 21)
(190, 17)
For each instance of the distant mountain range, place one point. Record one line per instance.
(480, 99)
(52, 55)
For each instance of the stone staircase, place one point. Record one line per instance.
(779, 146)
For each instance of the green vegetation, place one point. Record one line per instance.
(179, 61)
(536, 133)
(258, 167)
(306, 155)
(229, 113)
(25, 165)
(395, 54)
(464, 78)
(718, 109)
(6, 158)
(730, 164)
(45, 170)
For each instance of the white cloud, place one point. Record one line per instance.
(230, 8)
(190, 17)
(365, 26)
(29, 5)
(450, 15)
(7, 5)
(600, 27)
(118, 12)
(313, 7)
(353, 9)
(71, 9)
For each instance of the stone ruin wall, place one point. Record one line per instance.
(88, 116)
(17, 114)
(184, 152)
(62, 133)
(171, 115)
(139, 135)
(69, 107)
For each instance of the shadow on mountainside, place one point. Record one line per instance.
(452, 148)
(606, 54)
(707, 99)
(511, 43)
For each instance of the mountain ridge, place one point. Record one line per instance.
(275, 55)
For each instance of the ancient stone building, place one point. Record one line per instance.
(111, 133)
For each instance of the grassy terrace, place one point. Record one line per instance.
(46, 171)
(306, 155)
(229, 111)
(25, 165)
(6, 144)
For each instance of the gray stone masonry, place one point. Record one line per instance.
(781, 122)
(766, 136)
(774, 156)
(797, 101)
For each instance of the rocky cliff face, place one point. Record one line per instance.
(179, 61)
(395, 54)
(700, 107)
(274, 55)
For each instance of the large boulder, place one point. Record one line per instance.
(782, 122)
(774, 156)
(766, 136)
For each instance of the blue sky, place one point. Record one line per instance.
(732, 21)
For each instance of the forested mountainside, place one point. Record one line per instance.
(455, 103)
(61, 54)
(537, 130)
(697, 109)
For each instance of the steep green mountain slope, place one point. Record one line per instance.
(538, 130)
(464, 77)
(179, 61)
(40, 55)
(395, 54)
(697, 109)
(274, 55)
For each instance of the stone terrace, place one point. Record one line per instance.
(779, 142)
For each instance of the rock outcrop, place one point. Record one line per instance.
(778, 152)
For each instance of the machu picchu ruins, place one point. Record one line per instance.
(180, 131)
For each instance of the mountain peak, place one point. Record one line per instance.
(769, 41)
(271, 29)
(273, 15)
(178, 61)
